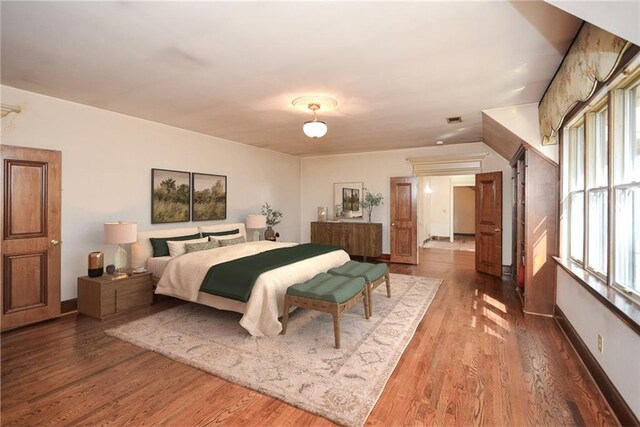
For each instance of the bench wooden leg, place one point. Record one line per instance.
(336, 328)
(386, 277)
(365, 299)
(285, 315)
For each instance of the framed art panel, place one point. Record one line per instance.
(169, 196)
(208, 197)
(347, 199)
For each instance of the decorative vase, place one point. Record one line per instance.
(269, 234)
(96, 264)
(369, 215)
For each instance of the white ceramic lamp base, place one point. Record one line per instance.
(120, 258)
(256, 236)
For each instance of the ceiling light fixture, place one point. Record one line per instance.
(439, 142)
(314, 128)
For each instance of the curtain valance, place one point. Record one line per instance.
(592, 58)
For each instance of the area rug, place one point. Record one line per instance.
(302, 368)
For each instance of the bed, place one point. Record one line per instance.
(181, 276)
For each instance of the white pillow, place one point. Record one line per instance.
(227, 237)
(176, 247)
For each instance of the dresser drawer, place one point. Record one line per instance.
(102, 297)
(132, 296)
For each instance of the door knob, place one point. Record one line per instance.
(55, 242)
(496, 230)
(393, 224)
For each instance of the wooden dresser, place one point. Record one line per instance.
(102, 297)
(357, 238)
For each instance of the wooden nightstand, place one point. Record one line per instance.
(101, 297)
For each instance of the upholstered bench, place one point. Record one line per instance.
(327, 293)
(374, 274)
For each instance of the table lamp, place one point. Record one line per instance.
(255, 222)
(120, 233)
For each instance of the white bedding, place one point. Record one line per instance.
(183, 276)
(157, 265)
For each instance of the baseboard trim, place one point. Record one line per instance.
(620, 408)
(68, 306)
(507, 270)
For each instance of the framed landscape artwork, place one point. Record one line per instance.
(169, 196)
(208, 197)
(347, 199)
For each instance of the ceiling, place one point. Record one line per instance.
(231, 69)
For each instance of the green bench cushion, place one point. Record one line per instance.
(370, 272)
(327, 287)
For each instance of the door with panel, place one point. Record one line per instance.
(489, 223)
(404, 220)
(31, 215)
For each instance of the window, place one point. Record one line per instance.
(576, 190)
(597, 191)
(626, 188)
(601, 187)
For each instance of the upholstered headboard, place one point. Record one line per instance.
(142, 250)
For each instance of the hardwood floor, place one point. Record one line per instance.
(474, 360)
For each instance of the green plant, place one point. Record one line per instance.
(273, 216)
(371, 201)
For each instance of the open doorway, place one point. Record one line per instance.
(446, 212)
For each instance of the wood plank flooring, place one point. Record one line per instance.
(474, 360)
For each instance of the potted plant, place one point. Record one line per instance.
(274, 217)
(370, 201)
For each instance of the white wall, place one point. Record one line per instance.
(618, 17)
(106, 171)
(589, 317)
(375, 169)
(439, 213)
(522, 120)
(424, 208)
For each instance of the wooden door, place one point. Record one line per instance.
(30, 267)
(404, 220)
(489, 223)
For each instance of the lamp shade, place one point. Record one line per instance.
(117, 233)
(256, 221)
(314, 129)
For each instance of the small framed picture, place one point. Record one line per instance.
(347, 199)
(170, 193)
(208, 197)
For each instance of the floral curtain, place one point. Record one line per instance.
(592, 58)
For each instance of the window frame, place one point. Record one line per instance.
(590, 142)
(616, 126)
(612, 98)
(570, 130)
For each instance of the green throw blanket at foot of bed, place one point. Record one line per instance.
(235, 279)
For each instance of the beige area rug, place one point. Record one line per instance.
(302, 368)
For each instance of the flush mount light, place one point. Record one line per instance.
(439, 142)
(314, 128)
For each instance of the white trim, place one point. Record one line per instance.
(465, 164)
(6, 109)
